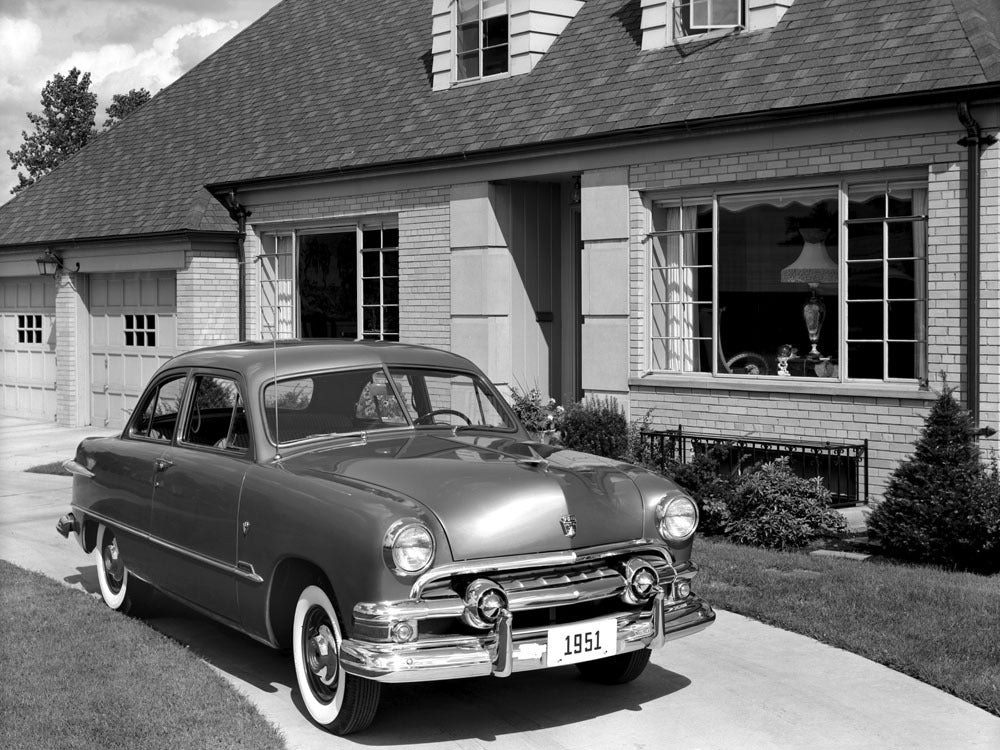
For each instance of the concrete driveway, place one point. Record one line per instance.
(739, 684)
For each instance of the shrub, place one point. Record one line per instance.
(597, 426)
(772, 507)
(942, 504)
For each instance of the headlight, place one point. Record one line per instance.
(409, 547)
(677, 518)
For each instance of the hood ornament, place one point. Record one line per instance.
(568, 524)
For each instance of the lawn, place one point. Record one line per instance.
(932, 624)
(77, 675)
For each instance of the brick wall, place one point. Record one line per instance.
(890, 418)
(206, 309)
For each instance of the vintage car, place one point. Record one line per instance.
(378, 509)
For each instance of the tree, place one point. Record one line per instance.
(63, 128)
(942, 504)
(122, 105)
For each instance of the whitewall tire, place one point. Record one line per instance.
(112, 575)
(339, 702)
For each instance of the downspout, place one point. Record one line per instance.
(975, 142)
(239, 214)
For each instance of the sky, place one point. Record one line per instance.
(123, 44)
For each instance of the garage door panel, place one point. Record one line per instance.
(133, 332)
(27, 347)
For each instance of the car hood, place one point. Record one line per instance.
(493, 497)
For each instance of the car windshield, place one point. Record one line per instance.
(346, 401)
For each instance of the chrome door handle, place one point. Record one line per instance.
(163, 464)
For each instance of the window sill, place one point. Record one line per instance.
(774, 384)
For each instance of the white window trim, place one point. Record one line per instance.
(455, 80)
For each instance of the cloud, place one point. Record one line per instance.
(20, 39)
(116, 68)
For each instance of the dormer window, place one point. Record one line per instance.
(701, 16)
(483, 39)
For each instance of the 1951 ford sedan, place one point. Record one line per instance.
(378, 509)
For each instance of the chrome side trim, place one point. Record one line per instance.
(237, 570)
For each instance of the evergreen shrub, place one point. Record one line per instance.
(942, 504)
(710, 485)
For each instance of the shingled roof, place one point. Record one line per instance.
(316, 86)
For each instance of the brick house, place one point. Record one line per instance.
(645, 199)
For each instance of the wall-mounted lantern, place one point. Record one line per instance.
(50, 263)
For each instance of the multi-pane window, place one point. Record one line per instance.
(277, 282)
(701, 16)
(29, 329)
(822, 282)
(380, 284)
(482, 38)
(140, 330)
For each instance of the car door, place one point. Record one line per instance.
(197, 496)
(125, 471)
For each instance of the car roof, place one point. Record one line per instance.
(264, 360)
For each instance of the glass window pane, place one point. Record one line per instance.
(468, 40)
(391, 319)
(864, 281)
(371, 238)
(372, 291)
(492, 8)
(864, 241)
(495, 32)
(864, 320)
(725, 12)
(390, 292)
(699, 13)
(904, 360)
(390, 263)
(903, 322)
(468, 65)
(902, 279)
(866, 201)
(390, 237)
(369, 264)
(372, 319)
(468, 10)
(907, 239)
(864, 360)
(495, 60)
(658, 352)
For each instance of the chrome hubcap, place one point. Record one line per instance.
(321, 655)
(113, 565)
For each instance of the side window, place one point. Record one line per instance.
(217, 417)
(156, 417)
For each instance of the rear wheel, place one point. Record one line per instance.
(119, 591)
(615, 670)
(339, 702)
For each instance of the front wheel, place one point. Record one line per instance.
(615, 670)
(339, 702)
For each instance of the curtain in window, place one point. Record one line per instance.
(675, 293)
(277, 287)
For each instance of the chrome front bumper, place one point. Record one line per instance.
(504, 650)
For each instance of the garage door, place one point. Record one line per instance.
(133, 330)
(28, 348)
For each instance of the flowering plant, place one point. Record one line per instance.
(536, 414)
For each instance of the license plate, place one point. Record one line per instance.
(568, 644)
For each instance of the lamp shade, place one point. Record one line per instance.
(813, 266)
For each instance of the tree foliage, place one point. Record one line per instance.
(942, 504)
(122, 105)
(64, 126)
